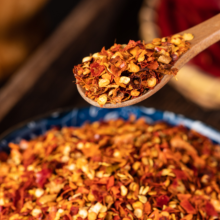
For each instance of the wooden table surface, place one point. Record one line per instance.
(54, 88)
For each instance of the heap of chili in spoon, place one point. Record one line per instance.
(127, 74)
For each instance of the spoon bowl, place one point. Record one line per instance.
(205, 34)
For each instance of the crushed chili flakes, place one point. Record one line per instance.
(112, 170)
(125, 72)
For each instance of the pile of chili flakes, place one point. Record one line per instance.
(110, 171)
(125, 72)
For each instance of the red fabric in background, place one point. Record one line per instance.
(178, 15)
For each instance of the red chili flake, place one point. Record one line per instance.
(115, 48)
(96, 158)
(29, 159)
(115, 190)
(96, 69)
(162, 200)
(98, 195)
(116, 71)
(82, 190)
(140, 44)
(171, 210)
(118, 205)
(74, 210)
(153, 65)
(130, 45)
(210, 210)
(184, 196)
(116, 218)
(180, 174)
(111, 182)
(50, 148)
(188, 207)
(16, 198)
(103, 180)
(104, 52)
(42, 176)
(147, 208)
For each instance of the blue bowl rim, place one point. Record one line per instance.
(36, 118)
(59, 111)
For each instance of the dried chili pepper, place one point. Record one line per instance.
(117, 66)
(112, 170)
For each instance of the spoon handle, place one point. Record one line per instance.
(205, 34)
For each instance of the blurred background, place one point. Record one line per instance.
(41, 41)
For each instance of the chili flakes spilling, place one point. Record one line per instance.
(125, 72)
(110, 171)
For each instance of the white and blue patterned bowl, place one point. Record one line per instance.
(77, 117)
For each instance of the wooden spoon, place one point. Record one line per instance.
(205, 34)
